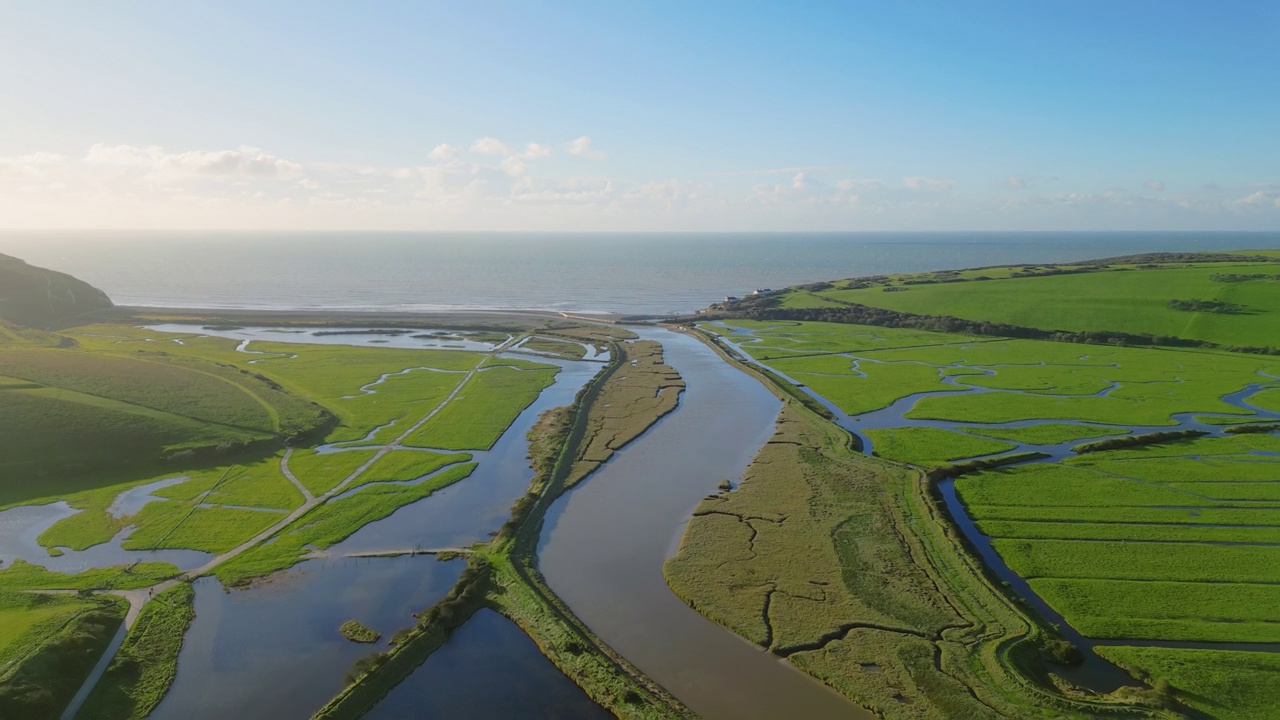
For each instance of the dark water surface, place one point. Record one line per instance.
(274, 651)
(488, 670)
(604, 544)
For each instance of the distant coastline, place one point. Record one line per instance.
(644, 274)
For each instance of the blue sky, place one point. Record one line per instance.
(645, 116)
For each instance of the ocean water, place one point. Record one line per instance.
(630, 273)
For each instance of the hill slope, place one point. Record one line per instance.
(38, 297)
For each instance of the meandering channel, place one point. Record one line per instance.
(1095, 672)
(604, 543)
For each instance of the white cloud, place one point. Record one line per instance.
(533, 151)
(1019, 182)
(444, 153)
(31, 164)
(852, 184)
(800, 181)
(247, 161)
(491, 146)
(1259, 199)
(1154, 185)
(916, 182)
(514, 166)
(581, 147)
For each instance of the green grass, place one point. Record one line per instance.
(1121, 560)
(1130, 514)
(144, 667)
(403, 465)
(29, 620)
(483, 410)
(22, 575)
(56, 654)
(1046, 433)
(1267, 399)
(832, 377)
(334, 375)
(1212, 612)
(1125, 531)
(1045, 484)
(321, 472)
(331, 523)
(37, 459)
(559, 348)
(214, 530)
(199, 392)
(782, 338)
(1133, 301)
(356, 632)
(1225, 684)
(931, 446)
(257, 484)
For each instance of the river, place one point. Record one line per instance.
(604, 543)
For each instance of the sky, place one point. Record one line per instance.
(615, 116)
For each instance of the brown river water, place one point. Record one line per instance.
(604, 544)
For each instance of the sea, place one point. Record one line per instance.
(625, 273)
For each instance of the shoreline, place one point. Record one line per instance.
(442, 319)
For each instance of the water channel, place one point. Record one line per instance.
(1095, 672)
(604, 543)
(274, 649)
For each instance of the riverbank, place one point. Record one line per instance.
(509, 320)
(911, 626)
(502, 574)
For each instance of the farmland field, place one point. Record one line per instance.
(1173, 539)
(1122, 298)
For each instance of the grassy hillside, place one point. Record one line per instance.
(35, 296)
(1228, 303)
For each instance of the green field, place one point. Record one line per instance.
(1172, 540)
(1224, 684)
(1121, 299)
(484, 408)
(930, 446)
(1047, 433)
(332, 523)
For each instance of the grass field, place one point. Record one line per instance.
(140, 674)
(1224, 684)
(931, 446)
(484, 408)
(331, 523)
(320, 472)
(1047, 433)
(1175, 540)
(765, 339)
(48, 646)
(1122, 299)
(551, 346)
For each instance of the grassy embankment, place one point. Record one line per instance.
(48, 644)
(144, 667)
(565, 444)
(1211, 505)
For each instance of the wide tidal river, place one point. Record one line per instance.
(604, 544)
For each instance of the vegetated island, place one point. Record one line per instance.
(354, 631)
(985, 562)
